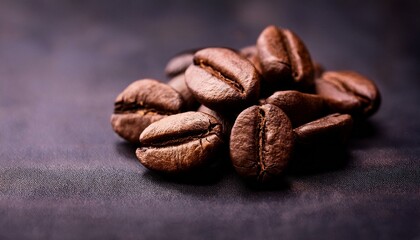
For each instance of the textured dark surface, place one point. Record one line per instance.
(64, 174)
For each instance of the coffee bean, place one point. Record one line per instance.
(179, 63)
(178, 83)
(180, 143)
(349, 92)
(141, 103)
(224, 118)
(251, 53)
(318, 70)
(284, 58)
(207, 110)
(320, 145)
(332, 128)
(300, 107)
(261, 143)
(222, 80)
(290, 127)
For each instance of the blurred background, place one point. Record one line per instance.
(65, 174)
(125, 40)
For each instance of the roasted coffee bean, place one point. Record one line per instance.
(284, 58)
(179, 63)
(318, 69)
(225, 119)
(207, 110)
(349, 92)
(332, 128)
(178, 83)
(261, 143)
(300, 107)
(222, 80)
(180, 143)
(251, 53)
(141, 103)
(320, 145)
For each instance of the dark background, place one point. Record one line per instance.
(64, 174)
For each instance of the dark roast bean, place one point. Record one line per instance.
(207, 110)
(178, 83)
(284, 58)
(318, 69)
(349, 92)
(222, 80)
(300, 107)
(141, 103)
(225, 119)
(261, 142)
(332, 128)
(180, 143)
(320, 144)
(179, 63)
(251, 53)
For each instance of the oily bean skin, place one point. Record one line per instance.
(222, 80)
(349, 92)
(180, 143)
(179, 63)
(300, 107)
(142, 103)
(284, 57)
(332, 128)
(225, 120)
(178, 83)
(251, 53)
(261, 143)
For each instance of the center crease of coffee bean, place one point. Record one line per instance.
(286, 44)
(261, 142)
(219, 75)
(293, 62)
(343, 87)
(179, 139)
(134, 107)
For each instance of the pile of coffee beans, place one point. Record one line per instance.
(263, 104)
